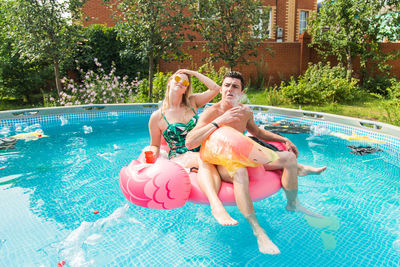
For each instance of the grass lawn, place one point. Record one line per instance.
(10, 104)
(369, 109)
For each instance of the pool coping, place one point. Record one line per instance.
(362, 124)
(311, 116)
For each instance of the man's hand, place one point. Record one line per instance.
(291, 147)
(229, 116)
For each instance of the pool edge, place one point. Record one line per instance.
(312, 116)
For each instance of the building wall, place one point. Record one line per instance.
(290, 21)
(283, 63)
(307, 5)
(388, 47)
(285, 14)
(290, 57)
(97, 13)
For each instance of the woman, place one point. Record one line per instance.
(176, 117)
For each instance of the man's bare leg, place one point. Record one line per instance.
(303, 170)
(288, 163)
(265, 245)
(210, 182)
(240, 182)
(261, 154)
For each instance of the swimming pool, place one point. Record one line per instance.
(50, 188)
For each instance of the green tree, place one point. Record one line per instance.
(101, 42)
(155, 28)
(232, 29)
(347, 29)
(42, 30)
(18, 78)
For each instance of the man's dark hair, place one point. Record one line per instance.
(235, 75)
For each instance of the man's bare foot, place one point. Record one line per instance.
(302, 209)
(222, 217)
(265, 244)
(304, 170)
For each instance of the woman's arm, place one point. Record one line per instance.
(203, 98)
(155, 132)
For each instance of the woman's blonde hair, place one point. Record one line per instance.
(185, 97)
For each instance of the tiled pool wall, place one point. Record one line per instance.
(57, 120)
(53, 120)
(392, 143)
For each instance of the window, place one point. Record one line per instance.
(303, 21)
(262, 30)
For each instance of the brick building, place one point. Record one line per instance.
(97, 13)
(287, 40)
(288, 18)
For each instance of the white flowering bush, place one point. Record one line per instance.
(97, 88)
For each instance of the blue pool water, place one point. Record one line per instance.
(50, 187)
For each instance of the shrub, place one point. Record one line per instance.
(321, 84)
(160, 80)
(392, 104)
(160, 83)
(101, 42)
(209, 71)
(377, 85)
(261, 79)
(142, 92)
(97, 88)
(274, 97)
(271, 96)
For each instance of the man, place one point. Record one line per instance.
(231, 113)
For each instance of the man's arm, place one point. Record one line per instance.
(269, 136)
(202, 130)
(205, 125)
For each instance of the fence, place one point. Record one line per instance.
(286, 60)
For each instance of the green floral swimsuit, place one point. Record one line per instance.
(175, 136)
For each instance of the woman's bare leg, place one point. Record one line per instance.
(210, 182)
(188, 160)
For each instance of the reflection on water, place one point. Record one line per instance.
(328, 225)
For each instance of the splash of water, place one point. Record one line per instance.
(63, 120)
(72, 249)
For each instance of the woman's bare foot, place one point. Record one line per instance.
(298, 207)
(265, 244)
(223, 217)
(304, 170)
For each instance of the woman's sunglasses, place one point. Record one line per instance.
(184, 82)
